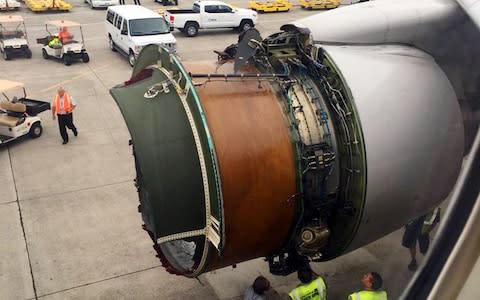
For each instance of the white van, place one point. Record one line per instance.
(131, 27)
(102, 3)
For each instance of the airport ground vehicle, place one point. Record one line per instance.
(319, 4)
(208, 15)
(130, 27)
(13, 37)
(9, 5)
(101, 3)
(68, 52)
(48, 5)
(270, 6)
(19, 116)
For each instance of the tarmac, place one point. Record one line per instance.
(69, 226)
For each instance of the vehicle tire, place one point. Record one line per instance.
(36, 130)
(245, 25)
(6, 56)
(85, 57)
(111, 44)
(67, 60)
(131, 58)
(28, 53)
(191, 29)
(45, 54)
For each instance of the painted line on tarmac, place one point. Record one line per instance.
(61, 83)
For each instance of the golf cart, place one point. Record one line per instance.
(13, 37)
(18, 117)
(67, 50)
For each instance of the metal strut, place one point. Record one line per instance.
(241, 75)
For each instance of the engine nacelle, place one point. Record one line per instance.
(295, 151)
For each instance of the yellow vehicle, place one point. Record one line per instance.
(319, 4)
(161, 10)
(44, 5)
(270, 6)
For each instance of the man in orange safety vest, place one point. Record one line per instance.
(65, 36)
(62, 107)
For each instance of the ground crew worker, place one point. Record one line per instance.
(55, 43)
(257, 290)
(65, 36)
(62, 107)
(419, 230)
(310, 288)
(372, 283)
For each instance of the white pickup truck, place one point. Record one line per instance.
(210, 14)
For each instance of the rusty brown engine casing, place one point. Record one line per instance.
(254, 154)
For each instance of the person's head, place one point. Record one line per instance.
(260, 285)
(61, 91)
(64, 29)
(305, 275)
(372, 281)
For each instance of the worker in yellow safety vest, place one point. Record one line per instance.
(372, 283)
(55, 43)
(311, 288)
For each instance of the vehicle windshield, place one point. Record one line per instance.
(11, 30)
(12, 95)
(150, 26)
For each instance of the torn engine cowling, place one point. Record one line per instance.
(291, 150)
